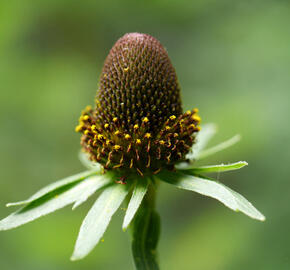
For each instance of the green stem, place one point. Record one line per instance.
(145, 232)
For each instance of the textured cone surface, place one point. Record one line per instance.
(137, 81)
(138, 124)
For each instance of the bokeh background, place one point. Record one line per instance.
(233, 63)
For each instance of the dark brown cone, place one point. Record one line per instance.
(137, 81)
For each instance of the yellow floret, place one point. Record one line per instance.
(196, 118)
(147, 135)
(116, 147)
(93, 128)
(138, 141)
(78, 128)
(145, 120)
(127, 137)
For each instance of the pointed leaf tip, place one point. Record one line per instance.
(47, 204)
(213, 189)
(190, 169)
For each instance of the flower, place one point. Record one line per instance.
(134, 138)
(137, 123)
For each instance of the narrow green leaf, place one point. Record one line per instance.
(146, 230)
(83, 157)
(54, 186)
(202, 139)
(48, 203)
(215, 168)
(98, 219)
(139, 191)
(220, 147)
(213, 189)
(102, 181)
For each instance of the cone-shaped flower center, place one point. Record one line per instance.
(138, 122)
(137, 81)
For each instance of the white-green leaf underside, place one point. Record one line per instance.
(213, 189)
(139, 192)
(214, 168)
(98, 219)
(53, 201)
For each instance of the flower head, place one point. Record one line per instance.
(137, 125)
(138, 122)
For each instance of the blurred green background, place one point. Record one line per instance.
(233, 63)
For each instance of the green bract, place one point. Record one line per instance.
(140, 214)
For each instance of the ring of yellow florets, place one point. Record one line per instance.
(141, 150)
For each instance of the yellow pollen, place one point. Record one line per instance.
(117, 132)
(115, 119)
(192, 125)
(88, 108)
(196, 118)
(108, 142)
(195, 110)
(86, 132)
(86, 117)
(188, 112)
(198, 128)
(136, 126)
(93, 128)
(145, 120)
(147, 135)
(100, 137)
(127, 137)
(138, 141)
(175, 135)
(162, 142)
(167, 127)
(126, 69)
(116, 147)
(106, 125)
(78, 128)
(172, 117)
